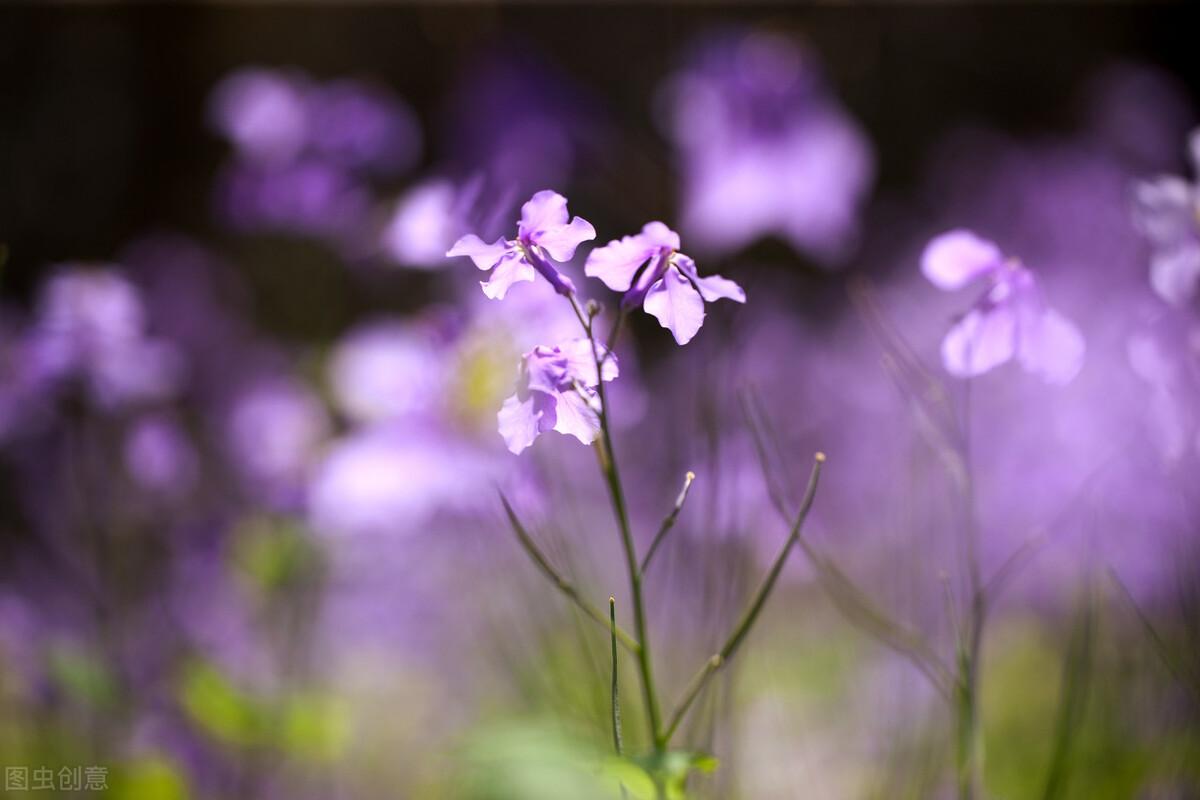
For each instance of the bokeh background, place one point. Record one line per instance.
(250, 541)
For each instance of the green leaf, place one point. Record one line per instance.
(315, 728)
(674, 767)
(82, 675)
(219, 707)
(148, 779)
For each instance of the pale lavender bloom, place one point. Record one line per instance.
(273, 430)
(668, 288)
(543, 234)
(263, 112)
(766, 149)
(385, 370)
(427, 220)
(1010, 319)
(384, 480)
(159, 457)
(1167, 212)
(91, 325)
(555, 391)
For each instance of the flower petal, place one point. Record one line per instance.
(575, 417)
(1052, 348)
(657, 234)
(1174, 273)
(618, 261)
(517, 422)
(560, 241)
(958, 257)
(712, 288)
(511, 269)
(676, 304)
(981, 340)
(483, 254)
(544, 210)
(581, 361)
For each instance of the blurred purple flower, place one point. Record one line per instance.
(425, 222)
(262, 112)
(543, 233)
(1010, 319)
(159, 457)
(1167, 212)
(555, 391)
(91, 325)
(307, 196)
(536, 142)
(670, 288)
(362, 126)
(275, 116)
(387, 369)
(273, 430)
(766, 150)
(1172, 377)
(385, 480)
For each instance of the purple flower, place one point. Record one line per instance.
(555, 391)
(159, 457)
(273, 430)
(263, 113)
(1167, 211)
(91, 326)
(543, 233)
(385, 370)
(669, 288)
(1010, 319)
(765, 147)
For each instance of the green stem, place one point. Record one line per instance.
(561, 583)
(612, 477)
(669, 521)
(750, 616)
(616, 698)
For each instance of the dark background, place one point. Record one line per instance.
(103, 137)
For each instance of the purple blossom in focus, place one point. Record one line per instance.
(555, 391)
(1167, 212)
(1010, 319)
(91, 325)
(766, 149)
(545, 232)
(668, 288)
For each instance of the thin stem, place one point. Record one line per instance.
(616, 698)
(563, 585)
(612, 477)
(968, 739)
(669, 521)
(851, 601)
(750, 616)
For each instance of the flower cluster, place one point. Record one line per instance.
(557, 382)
